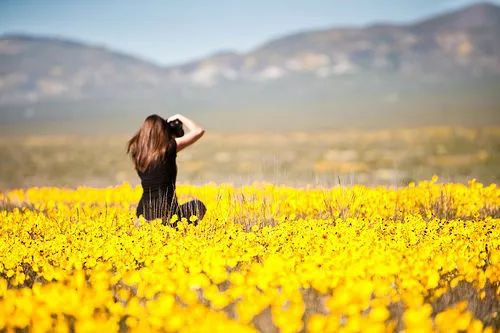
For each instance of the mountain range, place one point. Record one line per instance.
(441, 69)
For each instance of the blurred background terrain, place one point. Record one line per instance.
(321, 159)
(381, 103)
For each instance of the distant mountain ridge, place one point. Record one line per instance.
(37, 68)
(310, 70)
(466, 40)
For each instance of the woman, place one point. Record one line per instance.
(153, 150)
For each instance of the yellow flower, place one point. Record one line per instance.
(320, 260)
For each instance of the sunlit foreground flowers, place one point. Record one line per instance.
(420, 258)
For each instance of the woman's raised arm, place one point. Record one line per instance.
(194, 131)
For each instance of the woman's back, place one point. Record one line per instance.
(158, 184)
(164, 173)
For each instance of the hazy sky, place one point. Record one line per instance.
(175, 31)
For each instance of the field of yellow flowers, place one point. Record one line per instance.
(420, 258)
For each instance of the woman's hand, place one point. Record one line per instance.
(174, 117)
(194, 131)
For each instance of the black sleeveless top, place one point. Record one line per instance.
(158, 183)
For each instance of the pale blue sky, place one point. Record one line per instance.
(175, 31)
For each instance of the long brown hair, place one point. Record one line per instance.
(148, 146)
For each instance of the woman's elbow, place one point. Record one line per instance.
(200, 133)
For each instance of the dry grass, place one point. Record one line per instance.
(387, 157)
